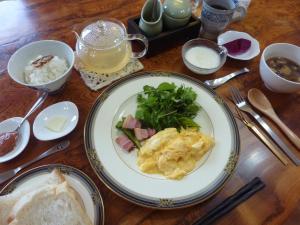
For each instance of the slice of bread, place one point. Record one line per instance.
(51, 205)
(8, 201)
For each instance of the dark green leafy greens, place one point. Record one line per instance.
(167, 106)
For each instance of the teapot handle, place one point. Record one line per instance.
(139, 37)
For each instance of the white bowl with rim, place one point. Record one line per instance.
(24, 134)
(273, 81)
(232, 35)
(20, 59)
(65, 109)
(200, 42)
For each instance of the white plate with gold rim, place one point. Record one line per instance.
(78, 180)
(118, 169)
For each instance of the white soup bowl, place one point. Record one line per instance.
(273, 81)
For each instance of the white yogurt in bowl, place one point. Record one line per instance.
(203, 56)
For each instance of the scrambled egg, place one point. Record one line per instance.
(172, 153)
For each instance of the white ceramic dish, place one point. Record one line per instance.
(273, 81)
(10, 125)
(65, 109)
(118, 169)
(19, 60)
(231, 35)
(78, 180)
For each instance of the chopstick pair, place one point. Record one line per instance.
(231, 202)
(263, 137)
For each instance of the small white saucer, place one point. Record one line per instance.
(65, 109)
(24, 134)
(231, 35)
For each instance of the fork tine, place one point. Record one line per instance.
(233, 95)
(238, 93)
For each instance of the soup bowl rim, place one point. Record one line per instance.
(264, 60)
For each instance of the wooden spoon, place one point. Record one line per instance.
(261, 102)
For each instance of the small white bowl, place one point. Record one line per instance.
(19, 60)
(24, 134)
(231, 35)
(64, 109)
(273, 81)
(222, 51)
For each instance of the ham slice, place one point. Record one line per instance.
(141, 134)
(151, 132)
(130, 123)
(125, 143)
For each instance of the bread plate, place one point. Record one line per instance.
(118, 170)
(78, 180)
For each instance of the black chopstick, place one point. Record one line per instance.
(231, 202)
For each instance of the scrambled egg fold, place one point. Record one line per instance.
(173, 154)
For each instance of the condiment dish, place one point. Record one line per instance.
(231, 35)
(65, 109)
(198, 42)
(23, 139)
(20, 59)
(273, 81)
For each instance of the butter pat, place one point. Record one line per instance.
(56, 123)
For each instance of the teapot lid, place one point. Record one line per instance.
(178, 9)
(104, 33)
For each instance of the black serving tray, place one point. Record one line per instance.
(167, 38)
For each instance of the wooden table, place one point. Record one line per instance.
(22, 22)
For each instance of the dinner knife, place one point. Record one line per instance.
(275, 137)
(4, 176)
(262, 137)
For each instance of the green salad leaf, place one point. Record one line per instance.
(167, 106)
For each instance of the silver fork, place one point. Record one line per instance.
(241, 103)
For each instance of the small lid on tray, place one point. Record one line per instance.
(178, 9)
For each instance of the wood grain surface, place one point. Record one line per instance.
(22, 22)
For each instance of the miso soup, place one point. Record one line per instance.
(285, 68)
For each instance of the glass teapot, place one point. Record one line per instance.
(104, 47)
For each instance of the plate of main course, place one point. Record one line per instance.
(161, 140)
(51, 194)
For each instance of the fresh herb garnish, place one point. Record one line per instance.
(167, 106)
